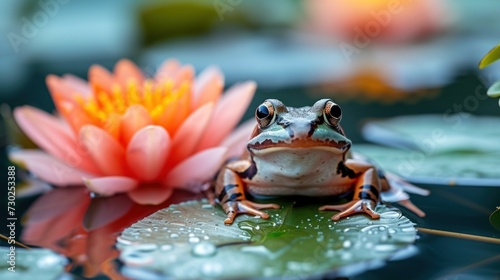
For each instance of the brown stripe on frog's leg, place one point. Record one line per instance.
(366, 196)
(230, 190)
(384, 183)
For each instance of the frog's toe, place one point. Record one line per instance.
(261, 205)
(234, 208)
(353, 207)
(230, 218)
(339, 207)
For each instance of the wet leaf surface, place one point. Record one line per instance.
(437, 149)
(190, 241)
(453, 168)
(34, 263)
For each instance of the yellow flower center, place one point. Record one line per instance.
(163, 101)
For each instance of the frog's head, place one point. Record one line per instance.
(280, 128)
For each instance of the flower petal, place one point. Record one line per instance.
(237, 141)
(78, 84)
(52, 135)
(110, 185)
(189, 133)
(135, 118)
(59, 89)
(150, 194)
(100, 79)
(197, 169)
(105, 151)
(148, 151)
(73, 114)
(207, 87)
(167, 70)
(126, 71)
(227, 114)
(48, 168)
(185, 74)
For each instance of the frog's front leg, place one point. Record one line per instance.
(231, 193)
(366, 192)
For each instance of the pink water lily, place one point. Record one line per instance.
(123, 132)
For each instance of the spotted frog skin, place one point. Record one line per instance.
(298, 151)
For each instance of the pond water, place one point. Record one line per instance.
(455, 240)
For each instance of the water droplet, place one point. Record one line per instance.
(347, 244)
(194, 239)
(207, 206)
(204, 249)
(370, 223)
(132, 257)
(176, 212)
(174, 235)
(392, 231)
(385, 247)
(146, 248)
(381, 228)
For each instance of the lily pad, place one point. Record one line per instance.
(34, 263)
(437, 149)
(453, 168)
(434, 134)
(190, 241)
(495, 218)
(492, 56)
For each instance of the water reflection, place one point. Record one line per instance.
(71, 222)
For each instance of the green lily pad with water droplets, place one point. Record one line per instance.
(35, 263)
(190, 241)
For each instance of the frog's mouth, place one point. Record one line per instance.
(331, 145)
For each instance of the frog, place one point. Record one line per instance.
(299, 152)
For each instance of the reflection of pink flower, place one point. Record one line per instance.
(122, 132)
(68, 221)
(379, 20)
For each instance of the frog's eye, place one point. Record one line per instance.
(332, 113)
(265, 114)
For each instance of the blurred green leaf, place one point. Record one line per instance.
(494, 90)
(495, 218)
(492, 56)
(190, 241)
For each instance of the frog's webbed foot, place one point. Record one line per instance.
(233, 208)
(365, 206)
